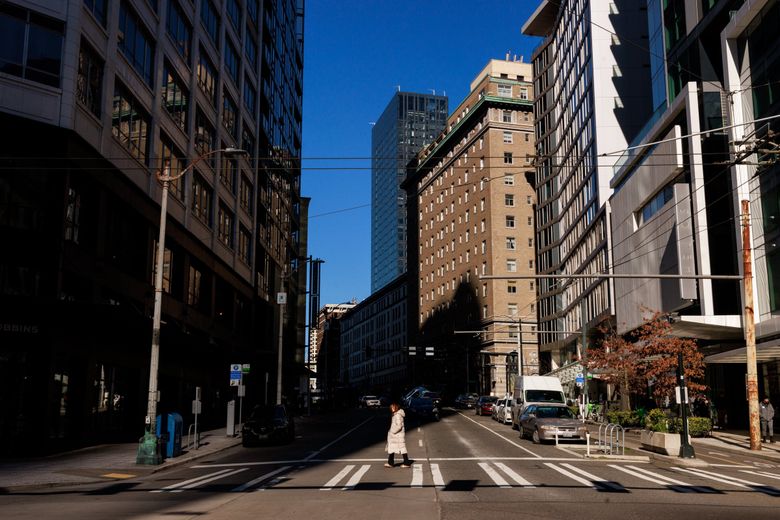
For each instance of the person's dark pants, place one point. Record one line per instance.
(391, 456)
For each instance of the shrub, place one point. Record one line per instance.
(697, 426)
(625, 418)
(657, 421)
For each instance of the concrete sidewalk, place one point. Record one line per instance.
(103, 463)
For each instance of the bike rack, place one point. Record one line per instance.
(195, 440)
(612, 439)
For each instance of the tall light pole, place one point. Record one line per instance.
(148, 447)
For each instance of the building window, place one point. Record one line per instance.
(250, 50)
(511, 265)
(98, 10)
(244, 244)
(530, 221)
(31, 45)
(509, 179)
(511, 243)
(225, 221)
(232, 62)
(505, 90)
(250, 97)
(251, 11)
(130, 123)
(89, 82)
(511, 287)
(207, 77)
(530, 264)
(510, 221)
(234, 14)
(511, 309)
(210, 19)
(509, 200)
(136, 43)
(245, 196)
(507, 137)
(229, 115)
(176, 164)
(167, 264)
(506, 116)
(204, 134)
(72, 217)
(179, 29)
(195, 280)
(228, 173)
(484, 247)
(248, 143)
(201, 200)
(528, 199)
(655, 204)
(523, 93)
(508, 158)
(527, 137)
(175, 97)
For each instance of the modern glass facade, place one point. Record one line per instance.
(410, 121)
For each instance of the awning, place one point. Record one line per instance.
(765, 352)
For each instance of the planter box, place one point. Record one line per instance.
(666, 443)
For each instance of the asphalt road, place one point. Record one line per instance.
(465, 467)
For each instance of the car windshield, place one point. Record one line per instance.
(543, 396)
(431, 395)
(488, 399)
(267, 412)
(553, 412)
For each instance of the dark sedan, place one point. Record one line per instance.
(268, 424)
(542, 422)
(485, 405)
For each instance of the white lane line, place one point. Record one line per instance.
(184, 483)
(206, 481)
(497, 478)
(499, 435)
(247, 485)
(417, 476)
(649, 476)
(718, 453)
(438, 480)
(335, 480)
(593, 478)
(331, 443)
(762, 474)
(569, 474)
(660, 477)
(355, 479)
(718, 478)
(419, 442)
(419, 429)
(514, 476)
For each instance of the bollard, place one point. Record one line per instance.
(587, 443)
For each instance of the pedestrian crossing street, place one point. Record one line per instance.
(468, 475)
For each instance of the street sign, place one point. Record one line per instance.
(281, 298)
(245, 368)
(580, 379)
(235, 374)
(235, 382)
(235, 367)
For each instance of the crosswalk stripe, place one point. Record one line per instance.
(179, 484)
(595, 479)
(247, 485)
(417, 476)
(355, 479)
(660, 477)
(438, 480)
(656, 479)
(761, 474)
(335, 480)
(569, 474)
(497, 478)
(733, 481)
(212, 479)
(514, 476)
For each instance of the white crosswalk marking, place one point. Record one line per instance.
(206, 481)
(514, 476)
(417, 476)
(649, 475)
(438, 480)
(733, 481)
(593, 478)
(247, 485)
(761, 474)
(355, 479)
(335, 480)
(190, 481)
(497, 478)
(569, 474)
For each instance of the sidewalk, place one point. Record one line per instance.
(103, 463)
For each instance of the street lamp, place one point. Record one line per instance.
(148, 447)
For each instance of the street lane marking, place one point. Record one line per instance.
(355, 479)
(331, 443)
(762, 474)
(184, 483)
(497, 478)
(419, 442)
(594, 479)
(244, 487)
(499, 435)
(718, 453)
(118, 475)
(656, 475)
(769, 490)
(335, 480)
(570, 475)
(655, 478)
(206, 481)
(417, 476)
(514, 476)
(438, 480)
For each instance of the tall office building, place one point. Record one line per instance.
(100, 95)
(592, 97)
(471, 204)
(409, 122)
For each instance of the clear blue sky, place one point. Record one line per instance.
(356, 53)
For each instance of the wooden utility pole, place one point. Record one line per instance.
(750, 330)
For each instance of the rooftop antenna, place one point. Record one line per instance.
(398, 88)
(507, 56)
(433, 90)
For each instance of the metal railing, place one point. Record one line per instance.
(611, 439)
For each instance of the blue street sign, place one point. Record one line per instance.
(235, 375)
(580, 378)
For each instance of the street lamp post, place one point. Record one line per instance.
(148, 447)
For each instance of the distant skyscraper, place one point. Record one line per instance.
(409, 123)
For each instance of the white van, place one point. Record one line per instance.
(535, 389)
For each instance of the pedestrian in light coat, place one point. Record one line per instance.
(396, 437)
(767, 414)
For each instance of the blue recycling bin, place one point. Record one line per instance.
(169, 428)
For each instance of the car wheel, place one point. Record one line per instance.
(535, 437)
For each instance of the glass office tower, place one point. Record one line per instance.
(409, 122)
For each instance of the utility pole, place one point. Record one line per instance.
(686, 450)
(520, 370)
(750, 330)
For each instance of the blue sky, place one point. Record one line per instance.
(356, 54)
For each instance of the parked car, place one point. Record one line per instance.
(268, 424)
(497, 408)
(465, 401)
(541, 422)
(535, 389)
(370, 401)
(484, 405)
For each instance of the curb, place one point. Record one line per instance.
(195, 456)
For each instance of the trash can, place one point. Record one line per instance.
(169, 430)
